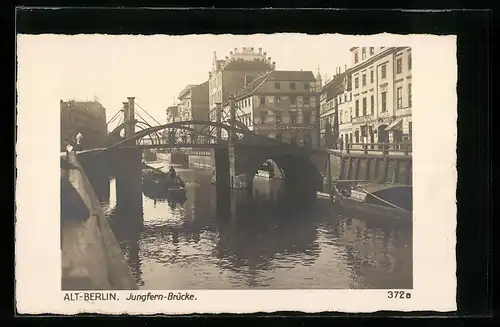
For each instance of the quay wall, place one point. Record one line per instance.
(369, 167)
(200, 161)
(91, 255)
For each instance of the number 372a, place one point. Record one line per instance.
(398, 295)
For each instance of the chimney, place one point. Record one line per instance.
(265, 54)
(235, 50)
(260, 50)
(346, 67)
(230, 53)
(274, 64)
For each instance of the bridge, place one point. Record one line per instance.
(236, 152)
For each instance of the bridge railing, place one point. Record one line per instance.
(404, 148)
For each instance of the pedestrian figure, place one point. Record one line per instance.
(79, 138)
(69, 147)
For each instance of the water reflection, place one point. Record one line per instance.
(273, 239)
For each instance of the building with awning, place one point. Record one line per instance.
(395, 125)
(381, 94)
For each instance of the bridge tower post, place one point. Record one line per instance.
(231, 141)
(128, 170)
(219, 156)
(130, 116)
(218, 119)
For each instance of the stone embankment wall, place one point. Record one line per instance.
(91, 256)
(377, 168)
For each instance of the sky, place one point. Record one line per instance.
(153, 69)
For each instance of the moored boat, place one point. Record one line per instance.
(386, 200)
(154, 177)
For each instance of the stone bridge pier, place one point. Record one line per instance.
(236, 167)
(125, 164)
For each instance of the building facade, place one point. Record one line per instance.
(87, 118)
(172, 114)
(232, 73)
(381, 94)
(335, 99)
(194, 102)
(283, 105)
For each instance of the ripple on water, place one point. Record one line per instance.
(261, 244)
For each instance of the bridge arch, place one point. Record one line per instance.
(175, 125)
(297, 168)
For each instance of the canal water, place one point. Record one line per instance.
(264, 239)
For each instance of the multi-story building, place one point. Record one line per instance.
(172, 113)
(85, 117)
(283, 105)
(193, 105)
(232, 73)
(335, 99)
(344, 109)
(194, 102)
(381, 80)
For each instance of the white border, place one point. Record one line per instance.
(38, 272)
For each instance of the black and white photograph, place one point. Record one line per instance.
(232, 162)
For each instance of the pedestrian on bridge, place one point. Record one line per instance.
(79, 138)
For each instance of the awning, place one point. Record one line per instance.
(395, 125)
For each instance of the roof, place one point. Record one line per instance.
(299, 76)
(172, 108)
(276, 75)
(186, 90)
(335, 86)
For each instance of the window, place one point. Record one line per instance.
(384, 71)
(292, 86)
(306, 117)
(307, 86)
(372, 50)
(356, 109)
(345, 97)
(356, 83)
(400, 97)
(384, 101)
(363, 133)
(356, 57)
(409, 95)
(262, 100)
(277, 85)
(277, 115)
(364, 106)
(409, 129)
(306, 100)
(293, 100)
(263, 117)
(399, 65)
(277, 100)
(293, 118)
(363, 54)
(364, 79)
(372, 104)
(409, 61)
(341, 118)
(371, 76)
